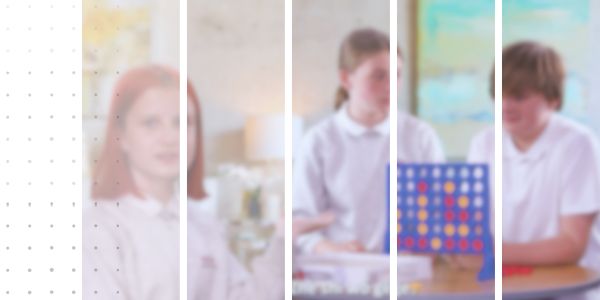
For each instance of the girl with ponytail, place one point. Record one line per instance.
(342, 165)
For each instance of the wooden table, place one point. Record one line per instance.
(448, 283)
(451, 283)
(549, 282)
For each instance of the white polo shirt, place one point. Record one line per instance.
(131, 249)
(558, 176)
(342, 167)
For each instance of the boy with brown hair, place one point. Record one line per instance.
(551, 165)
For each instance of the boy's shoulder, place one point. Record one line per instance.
(485, 135)
(407, 123)
(571, 132)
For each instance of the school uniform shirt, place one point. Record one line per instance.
(558, 176)
(539, 184)
(131, 252)
(342, 167)
(131, 249)
(481, 151)
(215, 274)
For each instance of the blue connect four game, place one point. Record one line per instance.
(445, 209)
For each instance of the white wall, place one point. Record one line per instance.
(164, 47)
(236, 63)
(405, 29)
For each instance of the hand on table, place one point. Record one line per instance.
(469, 262)
(301, 225)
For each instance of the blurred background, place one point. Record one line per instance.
(452, 50)
(568, 26)
(236, 64)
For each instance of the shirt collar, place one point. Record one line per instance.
(356, 129)
(153, 207)
(537, 150)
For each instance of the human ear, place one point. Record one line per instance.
(345, 79)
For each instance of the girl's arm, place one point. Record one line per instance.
(565, 248)
(309, 189)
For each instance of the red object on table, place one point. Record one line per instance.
(512, 270)
(298, 275)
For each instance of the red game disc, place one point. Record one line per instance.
(449, 200)
(463, 244)
(422, 187)
(478, 245)
(449, 216)
(449, 244)
(463, 216)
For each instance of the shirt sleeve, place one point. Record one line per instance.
(580, 179)
(478, 149)
(431, 145)
(308, 190)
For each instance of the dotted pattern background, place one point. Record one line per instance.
(40, 149)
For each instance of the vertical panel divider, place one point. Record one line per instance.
(498, 147)
(393, 172)
(288, 148)
(183, 79)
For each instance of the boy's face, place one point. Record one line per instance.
(525, 114)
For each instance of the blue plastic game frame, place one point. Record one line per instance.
(444, 208)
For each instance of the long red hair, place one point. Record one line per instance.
(112, 177)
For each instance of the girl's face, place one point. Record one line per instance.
(526, 114)
(369, 84)
(192, 131)
(150, 136)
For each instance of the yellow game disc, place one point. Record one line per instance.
(478, 216)
(422, 215)
(449, 187)
(463, 201)
(399, 214)
(422, 229)
(463, 230)
(422, 201)
(436, 243)
(478, 230)
(399, 228)
(449, 229)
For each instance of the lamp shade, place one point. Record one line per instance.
(264, 136)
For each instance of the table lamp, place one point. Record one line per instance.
(264, 141)
(264, 137)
